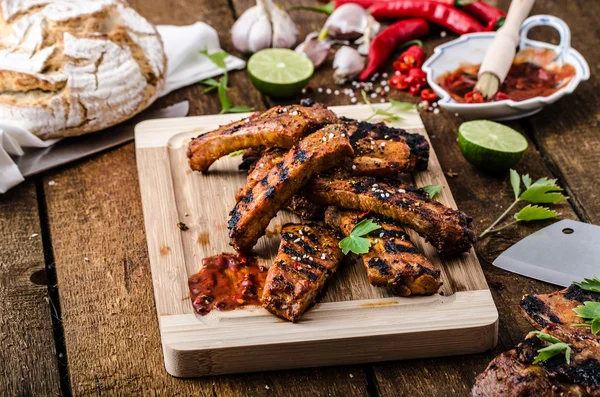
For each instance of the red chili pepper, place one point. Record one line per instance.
(415, 89)
(500, 96)
(473, 97)
(428, 95)
(490, 16)
(369, 3)
(384, 43)
(413, 56)
(399, 82)
(441, 14)
(401, 67)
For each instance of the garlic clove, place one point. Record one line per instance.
(261, 33)
(314, 49)
(285, 32)
(241, 28)
(347, 63)
(347, 22)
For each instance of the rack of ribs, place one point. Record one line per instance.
(393, 260)
(317, 152)
(447, 229)
(514, 374)
(280, 126)
(308, 256)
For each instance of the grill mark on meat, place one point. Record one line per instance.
(253, 218)
(392, 260)
(446, 229)
(574, 292)
(248, 198)
(297, 276)
(280, 126)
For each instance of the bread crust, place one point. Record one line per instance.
(73, 67)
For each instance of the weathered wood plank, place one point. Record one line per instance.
(109, 318)
(27, 353)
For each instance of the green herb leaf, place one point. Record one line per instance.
(595, 326)
(355, 242)
(325, 9)
(557, 347)
(401, 106)
(389, 115)
(240, 109)
(363, 227)
(209, 89)
(589, 284)
(236, 153)
(210, 82)
(515, 181)
(365, 97)
(432, 190)
(526, 180)
(225, 101)
(591, 312)
(544, 190)
(218, 58)
(535, 213)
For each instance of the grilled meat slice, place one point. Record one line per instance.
(305, 209)
(557, 307)
(393, 259)
(383, 151)
(308, 256)
(514, 374)
(260, 169)
(280, 126)
(317, 152)
(446, 229)
(250, 157)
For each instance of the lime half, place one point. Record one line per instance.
(491, 146)
(279, 72)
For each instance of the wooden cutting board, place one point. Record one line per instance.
(354, 321)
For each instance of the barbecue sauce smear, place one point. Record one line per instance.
(226, 282)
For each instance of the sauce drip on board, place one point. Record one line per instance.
(226, 282)
(525, 79)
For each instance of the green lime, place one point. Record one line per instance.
(279, 72)
(491, 146)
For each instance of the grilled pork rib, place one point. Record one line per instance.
(308, 256)
(317, 152)
(393, 260)
(557, 307)
(446, 229)
(514, 374)
(280, 126)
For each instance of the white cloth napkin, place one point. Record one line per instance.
(185, 66)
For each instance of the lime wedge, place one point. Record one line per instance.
(491, 146)
(279, 72)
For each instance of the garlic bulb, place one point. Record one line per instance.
(348, 22)
(347, 63)
(314, 49)
(263, 26)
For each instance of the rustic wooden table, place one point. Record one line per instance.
(76, 304)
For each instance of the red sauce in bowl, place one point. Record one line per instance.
(525, 80)
(226, 282)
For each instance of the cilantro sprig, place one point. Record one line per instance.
(355, 242)
(432, 190)
(590, 311)
(391, 112)
(218, 58)
(589, 284)
(555, 348)
(542, 191)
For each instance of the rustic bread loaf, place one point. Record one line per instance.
(69, 67)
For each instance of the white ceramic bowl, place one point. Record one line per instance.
(471, 48)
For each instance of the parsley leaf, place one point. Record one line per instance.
(589, 284)
(355, 242)
(218, 58)
(515, 181)
(591, 312)
(432, 190)
(526, 180)
(544, 190)
(535, 213)
(557, 347)
(236, 153)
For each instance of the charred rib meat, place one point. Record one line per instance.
(393, 259)
(308, 256)
(317, 152)
(280, 126)
(446, 229)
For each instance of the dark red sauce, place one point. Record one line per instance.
(226, 282)
(525, 79)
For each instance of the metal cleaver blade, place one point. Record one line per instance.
(561, 253)
(70, 149)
